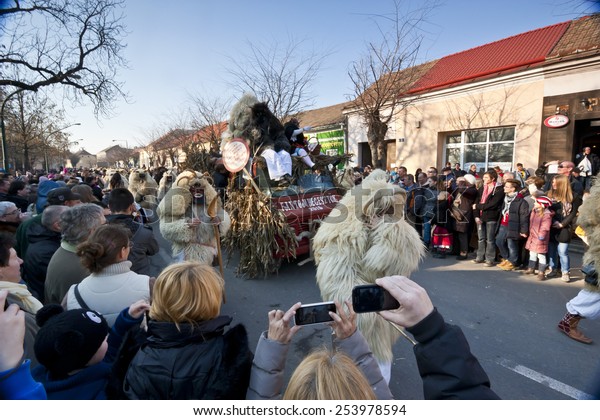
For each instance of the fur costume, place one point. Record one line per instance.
(254, 122)
(346, 178)
(176, 210)
(366, 237)
(110, 172)
(144, 188)
(165, 185)
(589, 220)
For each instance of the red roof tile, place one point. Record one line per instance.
(526, 49)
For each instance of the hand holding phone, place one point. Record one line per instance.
(280, 328)
(314, 313)
(372, 298)
(415, 303)
(344, 322)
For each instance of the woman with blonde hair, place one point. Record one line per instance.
(328, 375)
(565, 205)
(187, 353)
(349, 372)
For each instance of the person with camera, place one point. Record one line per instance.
(447, 367)
(361, 379)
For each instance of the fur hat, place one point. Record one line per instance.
(544, 201)
(67, 340)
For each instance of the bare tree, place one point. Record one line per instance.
(73, 43)
(382, 78)
(208, 117)
(280, 75)
(32, 123)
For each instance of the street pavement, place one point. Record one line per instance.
(508, 318)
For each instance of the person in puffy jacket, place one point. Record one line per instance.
(188, 353)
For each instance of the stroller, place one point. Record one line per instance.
(441, 241)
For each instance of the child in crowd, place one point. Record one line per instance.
(76, 349)
(540, 222)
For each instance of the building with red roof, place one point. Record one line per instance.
(529, 98)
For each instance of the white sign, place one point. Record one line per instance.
(556, 121)
(235, 155)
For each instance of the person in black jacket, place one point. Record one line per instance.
(514, 225)
(447, 367)
(122, 206)
(486, 211)
(44, 240)
(17, 193)
(188, 354)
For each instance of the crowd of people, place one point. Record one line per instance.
(512, 220)
(82, 316)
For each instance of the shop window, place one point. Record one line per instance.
(484, 147)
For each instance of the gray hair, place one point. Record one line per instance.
(5, 206)
(77, 223)
(51, 215)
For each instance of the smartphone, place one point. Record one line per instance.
(314, 313)
(372, 298)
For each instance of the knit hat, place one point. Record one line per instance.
(544, 201)
(67, 340)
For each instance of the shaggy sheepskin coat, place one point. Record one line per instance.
(165, 185)
(589, 220)
(198, 243)
(366, 237)
(144, 188)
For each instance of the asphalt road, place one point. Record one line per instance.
(508, 318)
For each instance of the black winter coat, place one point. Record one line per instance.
(200, 363)
(518, 218)
(447, 367)
(468, 196)
(144, 243)
(569, 221)
(43, 242)
(490, 210)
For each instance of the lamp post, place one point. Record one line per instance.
(46, 139)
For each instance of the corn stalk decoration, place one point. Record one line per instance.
(259, 231)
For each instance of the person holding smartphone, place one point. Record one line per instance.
(362, 379)
(448, 368)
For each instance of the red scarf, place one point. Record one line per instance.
(487, 190)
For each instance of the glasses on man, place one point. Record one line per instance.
(12, 213)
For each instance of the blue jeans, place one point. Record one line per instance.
(509, 248)
(427, 229)
(586, 181)
(559, 251)
(486, 243)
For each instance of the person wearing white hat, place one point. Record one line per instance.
(462, 212)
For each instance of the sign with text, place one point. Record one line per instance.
(556, 121)
(235, 155)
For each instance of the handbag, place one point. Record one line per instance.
(455, 210)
